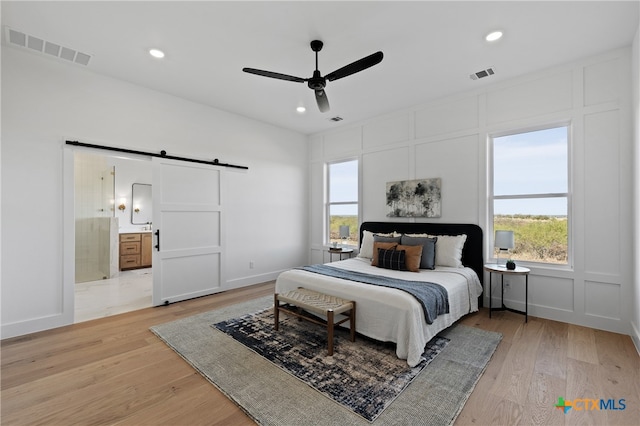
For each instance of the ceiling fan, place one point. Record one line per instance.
(317, 82)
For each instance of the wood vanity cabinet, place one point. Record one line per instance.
(145, 250)
(135, 250)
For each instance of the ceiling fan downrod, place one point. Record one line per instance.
(317, 82)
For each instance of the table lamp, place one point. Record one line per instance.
(344, 232)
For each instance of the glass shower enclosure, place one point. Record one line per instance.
(95, 223)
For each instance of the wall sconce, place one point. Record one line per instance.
(122, 205)
(503, 242)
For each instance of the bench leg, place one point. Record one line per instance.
(330, 331)
(352, 322)
(276, 311)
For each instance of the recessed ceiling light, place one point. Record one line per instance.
(156, 53)
(301, 109)
(493, 36)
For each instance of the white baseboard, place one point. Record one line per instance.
(613, 325)
(59, 320)
(252, 279)
(635, 336)
(34, 325)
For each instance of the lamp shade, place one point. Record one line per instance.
(344, 231)
(504, 240)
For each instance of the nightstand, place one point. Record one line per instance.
(492, 268)
(340, 251)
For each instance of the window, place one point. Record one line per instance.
(531, 193)
(342, 202)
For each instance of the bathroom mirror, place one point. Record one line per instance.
(141, 204)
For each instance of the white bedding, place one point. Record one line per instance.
(391, 315)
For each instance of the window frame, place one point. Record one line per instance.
(328, 203)
(568, 195)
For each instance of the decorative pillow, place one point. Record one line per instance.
(377, 246)
(392, 259)
(366, 248)
(413, 254)
(377, 238)
(428, 260)
(449, 250)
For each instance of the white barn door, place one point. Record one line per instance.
(187, 227)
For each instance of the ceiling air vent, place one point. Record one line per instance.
(336, 118)
(482, 74)
(35, 44)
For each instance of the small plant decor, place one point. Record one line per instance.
(511, 265)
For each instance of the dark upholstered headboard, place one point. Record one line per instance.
(472, 253)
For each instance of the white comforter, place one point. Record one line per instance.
(391, 315)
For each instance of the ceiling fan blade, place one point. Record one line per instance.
(357, 66)
(274, 75)
(322, 101)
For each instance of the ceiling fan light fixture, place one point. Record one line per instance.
(156, 53)
(493, 36)
(317, 82)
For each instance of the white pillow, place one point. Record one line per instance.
(449, 250)
(366, 248)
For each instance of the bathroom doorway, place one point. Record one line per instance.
(104, 210)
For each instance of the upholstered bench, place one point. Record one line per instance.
(318, 303)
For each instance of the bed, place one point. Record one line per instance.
(392, 315)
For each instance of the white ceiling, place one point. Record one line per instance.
(430, 48)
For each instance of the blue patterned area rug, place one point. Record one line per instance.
(365, 376)
(273, 397)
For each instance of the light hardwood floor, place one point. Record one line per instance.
(114, 371)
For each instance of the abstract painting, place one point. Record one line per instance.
(414, 198)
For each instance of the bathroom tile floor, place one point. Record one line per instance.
(130, 291)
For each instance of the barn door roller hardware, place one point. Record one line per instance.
(162, 154)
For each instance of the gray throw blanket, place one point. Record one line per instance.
(433, 297)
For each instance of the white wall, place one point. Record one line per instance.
(45, 102)
(128, 172)
(635, 73)
(448, 139)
